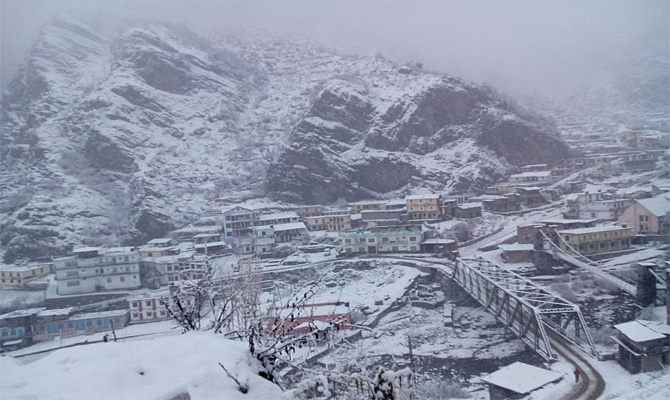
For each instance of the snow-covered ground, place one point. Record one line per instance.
(152, 368)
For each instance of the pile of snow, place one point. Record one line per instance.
(158, 368)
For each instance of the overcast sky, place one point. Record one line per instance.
(541, 47)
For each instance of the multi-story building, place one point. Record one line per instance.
(288, 232)
(209, 243)
(648, 216)
(158, 247)
(534, 178)
(17, 276)
(534, 168)
(148, 307)
(238, 221)
(263, 239)
(309, 211)
(388, 239)
(468, 210)
(601, 206)
(176, 268)
(595, 240)
(368, 205)
(424, 206)
(187, 233)
(92, 269)
(338, 222)
(278, 218)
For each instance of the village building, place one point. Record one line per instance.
(644, 346)
(368, 205)
(278, 218)
(383, 239)
(187, 233)
(158, 247)
(288, 232)
(533, 178)
(595, 240)
(50, 324)
(148, 307)
(187, 265)
(496, 203)
(92, 269)
(531, 196)
(448, 207)
(517, 380)
(424, 206)
(238, 221)
(468, 210)
(210, 243)
(383, 215)
(517, 252)
(396, 204)
(534, 168)
(448, 247)
(565, 223)
(16, 328)
(336, 222)
(529, 234)
(309, 211)
(648, 216)
(16, 277)
(263, 239)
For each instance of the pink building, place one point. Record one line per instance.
(647, 216)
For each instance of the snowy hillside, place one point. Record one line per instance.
(117, 132)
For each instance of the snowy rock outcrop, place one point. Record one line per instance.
(115, 132)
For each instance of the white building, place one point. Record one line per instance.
(180, 267)
(389, 239)
(288, 232)
(536, 177)
(263, 239)
(92, 269)
(148, 307)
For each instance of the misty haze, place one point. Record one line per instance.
(334, 200)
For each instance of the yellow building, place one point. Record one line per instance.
(595, 240)
(16, 276)
(423, 206)
(368, 205)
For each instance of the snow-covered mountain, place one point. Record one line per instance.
(117, 131)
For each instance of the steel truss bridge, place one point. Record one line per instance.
(578, 260)
(525, 308)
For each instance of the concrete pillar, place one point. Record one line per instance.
(646, 286)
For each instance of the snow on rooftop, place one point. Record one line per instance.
(100, 314)
(289, 226)
(595, 229)
(563, 221)
(539, 174)
(55, 312)
(160, 241)
(516, 247)
(658, 205)
(638, 332)
(438, 241)
(86, 249)
(315, 310)
(470, 205)
(288, 214)
(22, 313)
(521, 378)
(430, 196)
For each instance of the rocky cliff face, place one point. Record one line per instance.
(116, 132)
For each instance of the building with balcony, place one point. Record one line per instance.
(387, 239)
(335, 223)
(595, 240)
(238, 221)
(278, 218)
(368, 205)
(93, 269)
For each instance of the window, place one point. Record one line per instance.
(109, 280)
(122, 279)
(71, 274)
(148, 303)
(412, 238)
(72, 283)
(135, 304)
